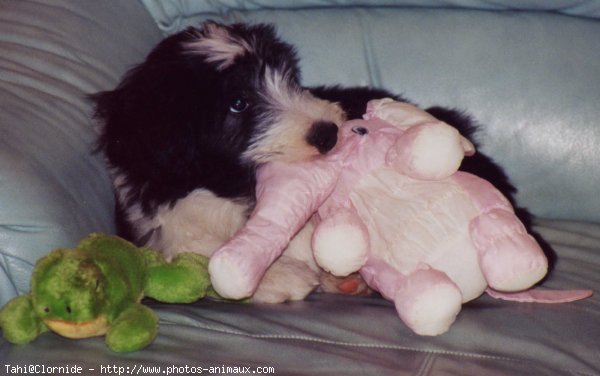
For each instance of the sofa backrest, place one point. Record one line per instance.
(53, 189)
(529, 71)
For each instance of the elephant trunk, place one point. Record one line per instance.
(287, 195)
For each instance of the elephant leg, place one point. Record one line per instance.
(341, 243)
(510, 258)
(134, 329)
(427, 300)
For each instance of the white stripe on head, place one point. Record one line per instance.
(218, 45)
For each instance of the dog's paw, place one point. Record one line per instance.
(287, 279)
(353, 284)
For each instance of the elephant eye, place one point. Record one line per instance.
(361, 131)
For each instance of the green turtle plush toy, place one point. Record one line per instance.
(96, 288)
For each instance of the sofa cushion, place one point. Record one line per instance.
(341, 335)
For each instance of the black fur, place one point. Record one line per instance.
(183, 118)
(168, 128)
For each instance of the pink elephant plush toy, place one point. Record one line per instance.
(391, 204)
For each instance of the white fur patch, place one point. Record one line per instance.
(287, 279)
(200, 222)
(142, 225)
(219, 46)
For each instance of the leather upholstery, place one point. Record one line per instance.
(528, 70)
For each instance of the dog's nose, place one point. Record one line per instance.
(323, 136)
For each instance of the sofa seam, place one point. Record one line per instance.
(380, 346)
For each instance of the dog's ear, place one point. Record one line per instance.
(155, 109)
(162, 126)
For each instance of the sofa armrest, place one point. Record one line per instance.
(53, 189)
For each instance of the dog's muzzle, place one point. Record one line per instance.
(323, 136)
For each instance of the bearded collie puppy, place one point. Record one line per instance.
(185, 130)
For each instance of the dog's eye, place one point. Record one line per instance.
(238, 105)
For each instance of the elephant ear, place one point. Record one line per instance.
(399, 114)
(404, 116)
(429, 151)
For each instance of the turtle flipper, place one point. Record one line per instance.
(135, 328)
(19, 321)
(183, 280)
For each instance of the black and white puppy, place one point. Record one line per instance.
(185, 130)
